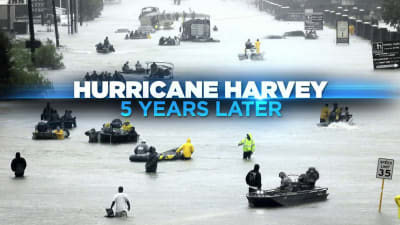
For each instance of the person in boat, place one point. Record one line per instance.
(248, 146)
(94, 75)
(142, 148)
(18, 165)
(347, 115)
(324, 114)
(121, 202)
(54, 119)
(332, 114)
(127, 126)
(59, 133)
(118, 77)
(46, 112)
(286, 182)
(125, 67)
(307, 181)
(68, 117)
(187, 150)
(87, 76)
(248, 46)
(258, 46)
(161, 41)
(153, 69)
(99, 46)
(93, 135)
(106, 43)
(253, 179)
(152, 161)
(139, 67)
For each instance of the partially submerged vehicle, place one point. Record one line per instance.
(297, 33)
(122, 30)
(277, 197)
(168, 41)
(197, 30)
(151, 16)
(104, 49)
(274, 37)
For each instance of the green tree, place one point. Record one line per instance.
(391, 13)
(4, 58)
(91, 9)
(47, 57)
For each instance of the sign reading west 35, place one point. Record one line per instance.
(385, 168)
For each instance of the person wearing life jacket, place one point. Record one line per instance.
(59, 133)
(332, 114)
(338, 113)
(253, 179)
(324, 114)
(18, 165)
(152, 161)
(127, 126)
(397, 200)
(286, 182)
(248, 146)
(187, 150)
(258, 46)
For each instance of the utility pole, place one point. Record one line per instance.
(55, 23)
(31, 30)
(68, 12)
(80, 13)
(71, 11)
(75, 17)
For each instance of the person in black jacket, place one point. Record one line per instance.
(18, 165)
(152, 161)
(253, 179)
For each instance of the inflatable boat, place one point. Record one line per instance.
(277, 197)
(47, 135)
(169, 155)
(118, 136)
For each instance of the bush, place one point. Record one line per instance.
(22, 72)
(47, 57)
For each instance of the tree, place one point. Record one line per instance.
(391, 13)
(5, 64)
(91, 9)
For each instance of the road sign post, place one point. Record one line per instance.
(384, 171)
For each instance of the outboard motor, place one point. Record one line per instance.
(42, 127)
(142, 148)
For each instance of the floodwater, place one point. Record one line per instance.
(72, 181)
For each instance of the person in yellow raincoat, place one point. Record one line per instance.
(258, 46)
(248, 146)
(127, 126)
(397, 199)
(59, 133)
(324, 114)
(187, 149)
